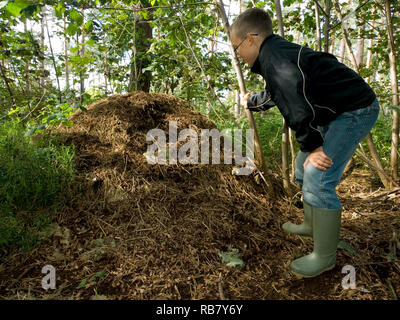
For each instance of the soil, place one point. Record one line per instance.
(137, 230)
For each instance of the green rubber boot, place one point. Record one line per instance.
(304, 229)
(326, 230)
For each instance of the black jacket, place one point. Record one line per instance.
(310, 88)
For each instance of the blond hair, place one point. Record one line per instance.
(253, 20)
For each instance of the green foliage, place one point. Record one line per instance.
(270, 133)
(110, 44)
(269, 128)
(345, 246)
(34, 180)
(233, 258)
(85, 282)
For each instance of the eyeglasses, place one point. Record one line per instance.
(236, 48)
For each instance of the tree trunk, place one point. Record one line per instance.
(318, 44)
(42, 66)
(298, 35)
(279, 18)
(54, 60)
(257, 144)
(368, 139)
(27, 74)
(82, 52)
(237, 103)
(293, 152)
(332, 46)
(66, 55)
(342, 53)
(395, 91)
(285, 131)
(346, 37)
(377, 161)
(140, 80)
(360, 45)
(327, 24)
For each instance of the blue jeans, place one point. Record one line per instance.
(341, 138)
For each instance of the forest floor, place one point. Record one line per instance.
(148, 231)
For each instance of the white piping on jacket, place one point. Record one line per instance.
(304, 93)
(324, 108)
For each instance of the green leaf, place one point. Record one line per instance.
(90, 43)
(82, 284)
(233, 258)
(14, 9)
(83, 108)
(74, 49)
(88, 25)
(72, 29)
(16, 6)
(59, 10)
(345, 246)
(12, 111)
(235, 262)
(144, 14)
(97, 275)
(30, 10)
(74, 15)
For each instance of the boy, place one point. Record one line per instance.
(330, 107)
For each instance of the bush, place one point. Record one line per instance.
(35, 179)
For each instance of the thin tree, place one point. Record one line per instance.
(318, 43)
(360, 43)
(239, 74)
(368, 139)
(285, 131)
(42, 58)
(82, 53)
(328, 4)
(27, 74)
(139, 79)
(53, 59)
(395, 93)
(66, 57)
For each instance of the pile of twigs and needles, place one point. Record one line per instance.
(136, 230)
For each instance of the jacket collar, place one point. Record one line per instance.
(256, 68)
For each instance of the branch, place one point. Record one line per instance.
(204, 74)
(34, 108)
(151, 8)
(348, 15)
(372, 165)
(322, 9)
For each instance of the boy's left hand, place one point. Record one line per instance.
(244, 98)
(318, 159)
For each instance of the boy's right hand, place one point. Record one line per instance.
(245, 97)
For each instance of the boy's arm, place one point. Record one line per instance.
(260, 101)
